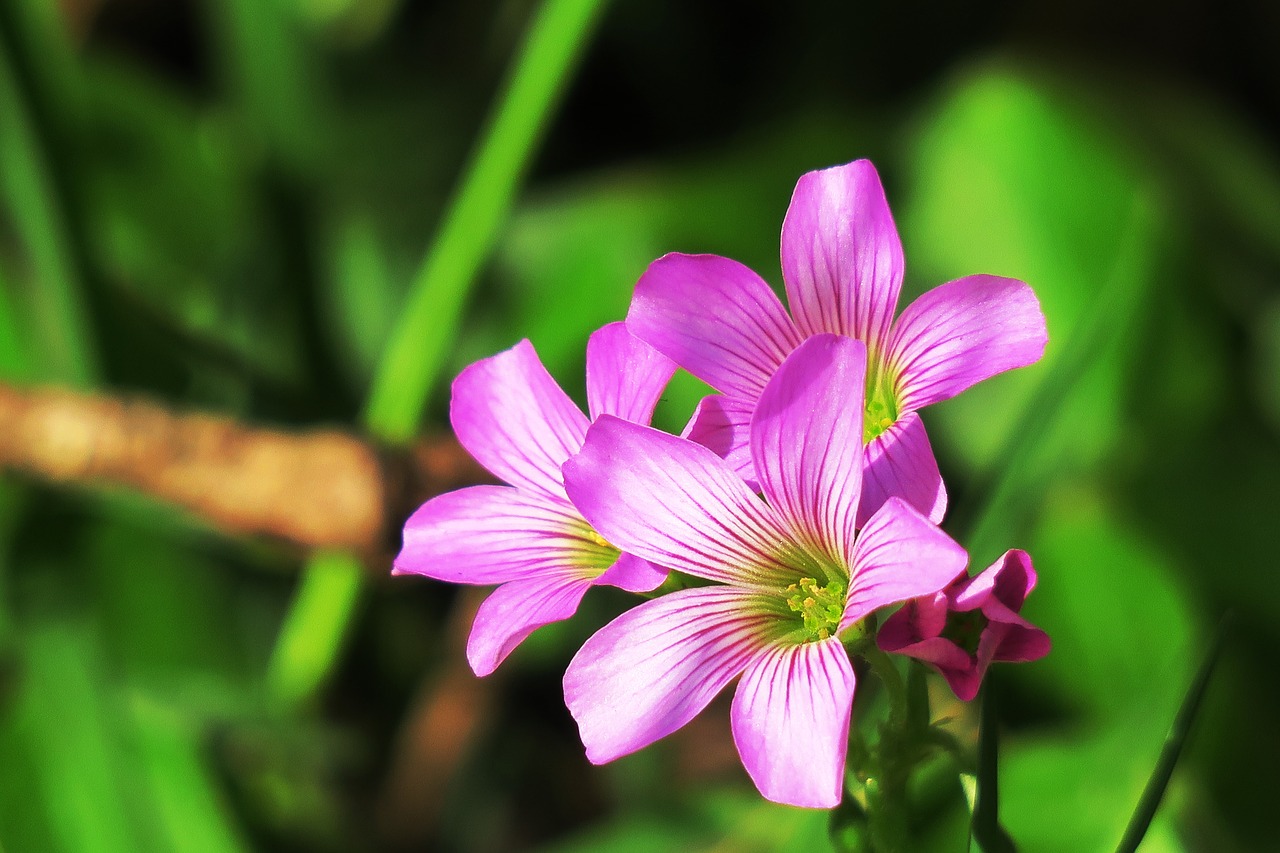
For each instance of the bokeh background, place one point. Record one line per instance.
(226, 206)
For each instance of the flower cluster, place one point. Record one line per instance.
(804, 496)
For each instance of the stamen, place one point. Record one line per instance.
(820, 607)
(881, 407)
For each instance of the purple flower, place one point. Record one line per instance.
(788, 577)
(515, 420)
(842, 265)
(974, 621)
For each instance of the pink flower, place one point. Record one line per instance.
(974, 621)
(842, 265)
(515, 420)
(788, 577)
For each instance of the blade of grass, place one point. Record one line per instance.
(325, 604)
(1173, 744)
(271, 75)
(186, 805)
(416, 354)
(15, 358)
(64, 721)
(39, 212)
(315, 626)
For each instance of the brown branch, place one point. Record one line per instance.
(452, 712)
(314, 488)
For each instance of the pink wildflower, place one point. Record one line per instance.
(789, 576)
(842, 265)
(974, 621)
(515, 420)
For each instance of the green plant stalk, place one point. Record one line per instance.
(894, 760)
(985, 827)
(325, 604)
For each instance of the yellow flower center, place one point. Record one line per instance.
(881, 407)
(820, 607)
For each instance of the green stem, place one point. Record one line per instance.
(888, 674)
(326, 602)
(887, 815)
(887, 788)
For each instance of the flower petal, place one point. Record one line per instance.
(495, 534)
(514, 611)
(919, 619)
(715, 318)
(899, 555)
(806, 441)
(652, 669)
(791, 722)
(962, 332)
(723, 425)
(1022, 643)
(625, 376)
(900, 463)
(1000, 590)
(633, 574)
(515, 420)
(951, 661)
(841, 256)
(674, 503)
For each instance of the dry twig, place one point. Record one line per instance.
(314, 488)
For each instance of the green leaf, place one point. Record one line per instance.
(1014, 179)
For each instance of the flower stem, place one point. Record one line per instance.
(886, 787)
(893, 684)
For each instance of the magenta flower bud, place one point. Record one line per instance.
(961, 630)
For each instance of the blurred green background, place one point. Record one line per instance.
(260, 208)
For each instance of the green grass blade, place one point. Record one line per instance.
(316, 626)
(15, 355)
(30, 192)
(419, 346)
(326, 602)
(1173, 744)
